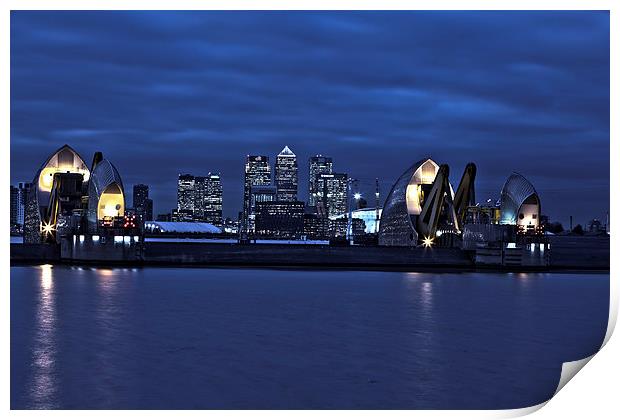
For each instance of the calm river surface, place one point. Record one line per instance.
(170, 338)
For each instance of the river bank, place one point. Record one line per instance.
(567, 253)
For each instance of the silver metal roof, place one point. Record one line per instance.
(395, 227)
(515, 191)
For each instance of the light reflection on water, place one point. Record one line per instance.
(44, 354)
(107, 322)
(215, 338)
(422, 287)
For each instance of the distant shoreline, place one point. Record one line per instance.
(584, 254)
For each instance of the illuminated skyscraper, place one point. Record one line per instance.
(185, 193)
(331, 196)
(208, 199)
(199, 199)
(286, 175)
(317, 165)
(257, 172)
(14, 201)
(19, 197)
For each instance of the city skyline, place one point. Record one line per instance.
(537, 97)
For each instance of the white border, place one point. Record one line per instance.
(595, 391)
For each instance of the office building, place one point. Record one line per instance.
(142, 204)
(257, 173)
(316, 227)
(331, 194)
(279, 219)
(208, 199)
(19, 198)
(199, 199)
(317, 165)
(14, 205)
(259, 194)
(185, 193)
(338, 227)
(286, 179)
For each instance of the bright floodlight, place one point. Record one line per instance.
(47, 228)
(428, 242)
(357, 196)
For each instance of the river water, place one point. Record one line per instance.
(189, 338)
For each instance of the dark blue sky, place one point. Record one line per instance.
(167, 92)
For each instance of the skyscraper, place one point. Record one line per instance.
(185, 194)
(286, 175)
(208, 199)
(199, 199)
(317, 165)
(14, 201)
(257, 172)
(200, 192)
(23, 188)
(331, 196)
(142, 204)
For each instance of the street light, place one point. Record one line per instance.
(357, 196)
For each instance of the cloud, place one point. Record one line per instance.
(168, 92)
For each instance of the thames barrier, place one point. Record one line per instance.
(78, 214)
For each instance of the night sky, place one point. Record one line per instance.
(163, 93)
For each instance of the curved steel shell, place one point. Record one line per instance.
(65, 159)
(396, 227)
(103, 176)
(515, 192)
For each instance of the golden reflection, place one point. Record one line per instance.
(46, 276)
(107, 282)
(44, 349)
(523, 277)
